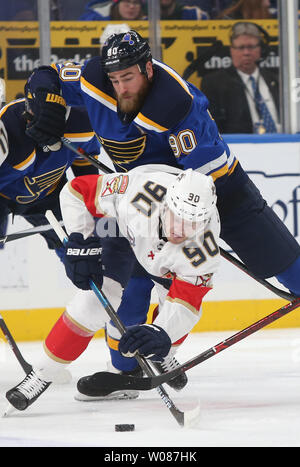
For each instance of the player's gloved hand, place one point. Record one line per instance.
(48, 122)
(148, 340)
(82, 260)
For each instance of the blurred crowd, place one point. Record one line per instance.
(95, 10)
(244, 97)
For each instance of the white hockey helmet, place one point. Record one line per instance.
(192, 196)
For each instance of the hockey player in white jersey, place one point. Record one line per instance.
(172, 224)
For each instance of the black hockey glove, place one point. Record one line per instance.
(82, 260)
(148, 340)
(48, 122)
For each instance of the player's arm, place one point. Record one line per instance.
(177, 317)
(197, 144)
(48, 91)
(82, 253)
(181, 309)
(79, 205)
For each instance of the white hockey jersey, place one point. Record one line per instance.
(135, 200)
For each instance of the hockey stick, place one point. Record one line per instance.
(27, 233)
(116, 381)
(82, 153)
(243, 267)
(179, 416)
(12, 343)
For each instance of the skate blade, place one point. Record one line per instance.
(115, 396)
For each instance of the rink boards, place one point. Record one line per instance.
(34, 289)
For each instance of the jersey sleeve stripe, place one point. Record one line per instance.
(184, 303)
(81, 163)
(100, 96)
(74, 192)
(55, 67)
(87, 136)
(219, 167)
(174, 75)
(87, 188)
(149, 124)
(27, 162)
(4, 109)
(187, 294)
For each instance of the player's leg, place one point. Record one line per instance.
(66, 341)
(133, 309)
(170, 362)
(120, 266)
(261, 240)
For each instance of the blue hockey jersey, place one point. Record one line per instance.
(173, 127)
(27, 172)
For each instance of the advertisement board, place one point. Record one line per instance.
(192, 48)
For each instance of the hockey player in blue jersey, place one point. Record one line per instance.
(33, 175)
(144, 113)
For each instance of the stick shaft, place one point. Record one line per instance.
(26, 233)
(178, 415)
(99, 165)
(12, 343)
(243, 267)
(225, 344)
(118, 382)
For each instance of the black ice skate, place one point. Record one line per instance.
(96, 388)
(169, 363)
(25, 393)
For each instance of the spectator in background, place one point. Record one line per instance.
(211, 7)
(18, 10)
(128, 10)
(247, 9)
(26, 10)
(244, 98)
(173, 9)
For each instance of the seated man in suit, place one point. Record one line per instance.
(244, 98)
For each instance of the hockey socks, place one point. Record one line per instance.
(118, 361)
(67, 340)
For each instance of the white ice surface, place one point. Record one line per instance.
(249, 396)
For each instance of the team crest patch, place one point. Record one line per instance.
(123, 153)
(127, 38)
(116, 185)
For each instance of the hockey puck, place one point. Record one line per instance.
(124, 427)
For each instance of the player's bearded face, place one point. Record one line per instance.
(131, 88)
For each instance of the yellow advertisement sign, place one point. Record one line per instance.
(192, 48)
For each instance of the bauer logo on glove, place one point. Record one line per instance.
(84, 251)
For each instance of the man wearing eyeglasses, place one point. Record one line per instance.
(245, 97)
